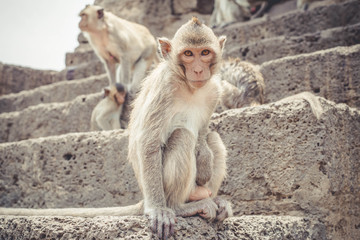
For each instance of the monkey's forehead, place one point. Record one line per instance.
(195, 32)
(90, 8)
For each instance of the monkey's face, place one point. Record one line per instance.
(91, 18)
(196, 64)
(119, 98)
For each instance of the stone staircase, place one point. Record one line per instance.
(290, 175)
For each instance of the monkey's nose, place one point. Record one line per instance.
(198, 71)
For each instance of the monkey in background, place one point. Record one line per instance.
(228, 11)
(127, 49)
(242, 85)
(106, 114)
(178, 162)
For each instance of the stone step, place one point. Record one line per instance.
(281, 160)
(256, 52)
(49, 119)
(14, 78)
(244, 227)
(283, 46)
(295, 23)
(57, 92)
(333, 74)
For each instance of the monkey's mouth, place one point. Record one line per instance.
(198, 83)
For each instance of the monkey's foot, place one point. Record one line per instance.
(224, 209)
(199, 193)
(208, 209)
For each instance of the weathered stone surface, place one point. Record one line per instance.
(79, 57)
(295, 23)
(245, 227)
(282, 161)
(49, 119)
(84, 70)
(161, 17)
(282, 46)
(333, 74)
(88, 169)
(62, 91)
(14, 78)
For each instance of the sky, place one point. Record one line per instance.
(38, 33)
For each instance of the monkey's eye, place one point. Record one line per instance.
(188, 53)
(205, 52)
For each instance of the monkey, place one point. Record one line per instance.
(228, 11)
(106, 114)
(169, 139)
(174, 155)
(127, 49)
(242, 85)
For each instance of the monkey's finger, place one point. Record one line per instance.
(172, 226)
(222, 215)
(153, 223)
(160, 228)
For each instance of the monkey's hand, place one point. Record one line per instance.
(162, 222)
(204, 165)
(224, 209)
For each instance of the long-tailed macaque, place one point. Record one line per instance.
(175, 157)
(106, 114)
(228, 11)
(121, 45)
(242, 85)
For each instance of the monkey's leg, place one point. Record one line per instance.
(219, 165)
(115, 121)
(180, 174)
(179, 167)
(139, 73)
(204, 159)
(219, 172)
(110, 68)
(125, 73)
(178, 179)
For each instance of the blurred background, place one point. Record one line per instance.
(38, 33)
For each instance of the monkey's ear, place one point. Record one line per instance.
(100, 13)
(222, 40)
(165, 47)
(106, 91)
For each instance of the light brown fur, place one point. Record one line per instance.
(106, 114)
(169, 136)
(242, 85)
(229, 11)
(119, 43)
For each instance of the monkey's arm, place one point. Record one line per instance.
(162, 218)
(125, 71)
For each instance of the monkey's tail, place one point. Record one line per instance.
(136, 209)
(313, 100)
